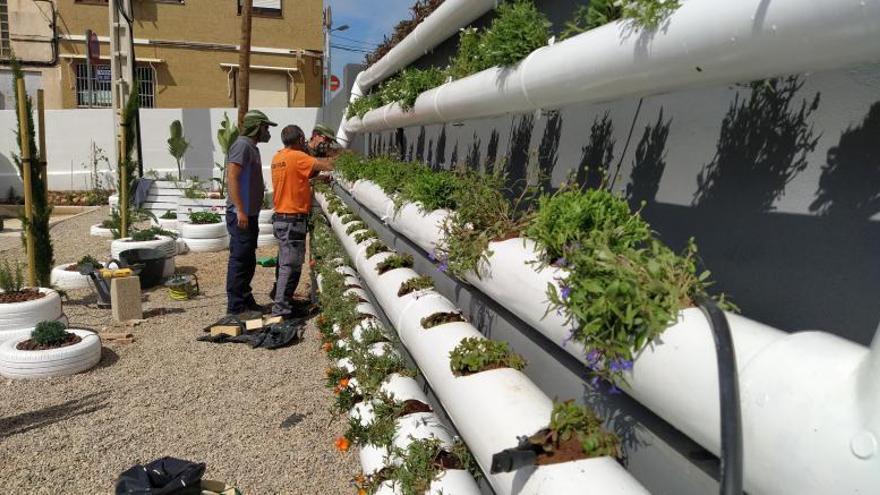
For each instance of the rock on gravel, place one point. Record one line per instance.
(259, 419)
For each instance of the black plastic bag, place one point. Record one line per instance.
(165, 476)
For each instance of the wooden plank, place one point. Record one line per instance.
(230, 330)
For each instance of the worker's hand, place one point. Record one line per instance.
(242, 220)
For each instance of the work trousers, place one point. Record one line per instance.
(242, 263)
(291, 235)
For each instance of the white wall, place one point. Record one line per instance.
(70, 134)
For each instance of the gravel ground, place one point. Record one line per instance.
(259, 419)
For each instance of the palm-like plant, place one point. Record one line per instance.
(177, 145)
(226, 135)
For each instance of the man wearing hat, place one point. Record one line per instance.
(322, 141)
(245, 179)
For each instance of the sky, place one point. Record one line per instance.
(369, 21)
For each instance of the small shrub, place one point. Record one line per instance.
(49, 333)
(518, 30)
(440, 318)
(424, 460)
(89, 260)
(354, 227)
(204, 218)
(415, 284)
(433, 190)
(570, 421)
(649, 14)
(169, 215)
(363, 236)
(473, 355)
(11, 277)
(393, 262)
(406, 87)
(598, 13)
(346, 219)
(375, 248)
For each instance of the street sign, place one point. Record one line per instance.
(102, 73)
(94, 48)
(334, 83)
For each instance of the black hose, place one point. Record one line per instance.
(728, 387)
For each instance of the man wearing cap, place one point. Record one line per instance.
(292, 169)
(321, 142)
(245, 178)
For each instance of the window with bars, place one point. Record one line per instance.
(270, 8)
(5, 51)
(101, 86)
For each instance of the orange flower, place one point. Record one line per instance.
(343, 382)
(361, 491)
(327, 346)
(342, 444)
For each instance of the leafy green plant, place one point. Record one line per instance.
(89, 260)
(151, 234)
(354, 227)
(177, 145)
(226, 135)
(468, 59)
(440, 318)
(649, 14)
(518, 29)
(195, 190)
(622, 287)
(423, 461)
(346, 219)
(432, 190)
(393, 262)
(49, 333)
(375, 248)
(415, 284)
(169, 215)
(204, 218)
(573, 422)
(11, 277)
(473, 355)
(598, 13)
(364, 104)
(405, 87)
(363, 236)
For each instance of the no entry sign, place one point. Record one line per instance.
(334, 83)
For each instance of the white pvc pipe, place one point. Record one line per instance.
(704, 43)
(683, 359)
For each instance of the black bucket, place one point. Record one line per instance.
(152, 261)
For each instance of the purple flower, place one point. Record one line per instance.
(593, 357)
(613, 390)
(432, 257)
(561, 262)
(618, 365)
(566, 292)
(595, 381)
(443, 267)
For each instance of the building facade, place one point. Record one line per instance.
(186, 51)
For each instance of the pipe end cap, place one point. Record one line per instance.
(864, 445)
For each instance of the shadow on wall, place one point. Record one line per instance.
(598, 155)
(439, 160)
(649, 163)
(9, 178)
(420, 145)
(199, 158)
(518, 155)
(849, 187)
(796, 272)
(548, 151)
(491, 152)
(473, 156)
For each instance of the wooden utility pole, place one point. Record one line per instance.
(244, 61)
(26, 158)
(123, 184)
(41, 121)
(122, 84)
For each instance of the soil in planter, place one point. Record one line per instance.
(353, 286)
(75, 268)
(570, 450)
(21, 296)
(493, 366)
(413, 406)
(439, 319)
(30, 345)
(448, 460)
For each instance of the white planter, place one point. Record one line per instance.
(267, 229)
(380, 349)
(360, 293)
(372, 458)
(345, 364)
(166, 245)
(203, 231)
(64, 279)
(449, 482)
(425, 229)
(52, 362)
(113, 200)
(26, 315)
(421, 426)
(367, 309)
(98, 231)
(372, 196)
(409, 325)
(346, 270)
(266, 240)
(358, 331)
(169, 268)
(181, 246)
(167, 224)
(185, 206)
(207, 245)
(403, 388)
(266, 216)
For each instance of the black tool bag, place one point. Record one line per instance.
(165, 476)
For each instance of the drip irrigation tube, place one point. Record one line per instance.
(728, 387)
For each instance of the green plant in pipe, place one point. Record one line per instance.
(473, 355)
(468, 58)
(573, 422)
(363, 236)
(649, 14)
(415, 284)
(393, 262)
(430, 189)
(519, 29)
(354, 227)
(375, 248)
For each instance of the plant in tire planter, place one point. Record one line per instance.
(204, 218)
(12, 285)
(48, 335)
(169, 215)
(415, 284)
(575, 432)
(473, 355)
(393, 262)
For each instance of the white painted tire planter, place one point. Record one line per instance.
(26, 315)
(68, 360)
(166, 245)
(165, 223)
(266, 240)
(182, 248)
(98, 231)
(207, 245)
(68, 280)
(267, 229)
(203, 231)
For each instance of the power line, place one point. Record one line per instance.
(354, 40)
(350, 49)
